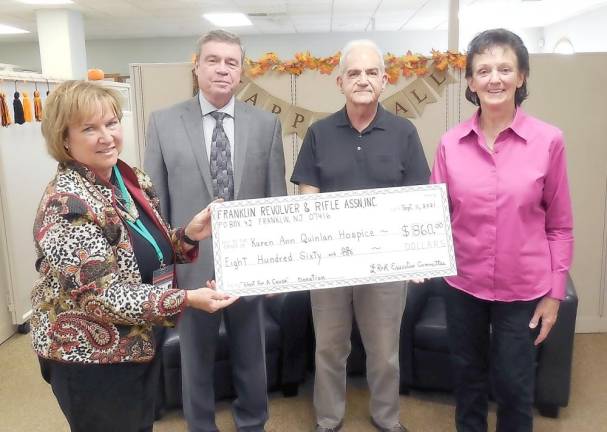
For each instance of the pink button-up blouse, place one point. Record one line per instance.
(510, 209)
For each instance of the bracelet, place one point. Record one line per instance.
(188, 240)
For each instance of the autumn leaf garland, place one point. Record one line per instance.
(301, 62)
(396, 66)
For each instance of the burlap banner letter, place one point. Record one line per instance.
(399, 105)
(254, 95)
(298, 121)
(419, 94)
(439, 80)
(279, 107)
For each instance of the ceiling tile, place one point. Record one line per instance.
(396, 5)
(153, 18)
(394, 17)
(428, 16)
(309, 7)
(271, 25)
(11, 7)
(119, 10)
(262, 6)
(350, 22)
(311, 23)
(349, 6)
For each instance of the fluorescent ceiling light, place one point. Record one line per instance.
(6, 29)
(236, 19)
(46, 2)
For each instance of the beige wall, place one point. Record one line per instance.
(568, 91)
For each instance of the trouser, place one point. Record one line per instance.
(378, 310)
(198, 334)
(491, 345)
(109, 397)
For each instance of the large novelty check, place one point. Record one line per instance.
(326, 240)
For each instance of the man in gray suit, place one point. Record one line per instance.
(208, 147)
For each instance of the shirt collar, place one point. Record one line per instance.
(519, 125)
(378, 122)
(470, 125)
(207, 107)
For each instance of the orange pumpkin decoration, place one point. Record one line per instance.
(95, 74)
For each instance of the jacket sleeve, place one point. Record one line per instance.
(156, 168)
(276, 183)
(82, 254)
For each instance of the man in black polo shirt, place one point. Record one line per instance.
(362, 146)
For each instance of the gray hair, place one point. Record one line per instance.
(357, 44)
(219, 36)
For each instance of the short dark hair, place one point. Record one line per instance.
(502, 38)
(219, 36)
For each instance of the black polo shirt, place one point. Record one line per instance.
(335, 157)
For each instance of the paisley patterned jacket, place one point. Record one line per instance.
(89, 304)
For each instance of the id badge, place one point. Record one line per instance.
(164, 277)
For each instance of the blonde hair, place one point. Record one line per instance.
(71, 103)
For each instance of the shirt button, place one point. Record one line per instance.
(357, 148)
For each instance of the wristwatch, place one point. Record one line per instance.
(188, 240)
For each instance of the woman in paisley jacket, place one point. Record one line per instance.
(105, 259)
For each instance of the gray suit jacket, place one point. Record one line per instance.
(176, 159)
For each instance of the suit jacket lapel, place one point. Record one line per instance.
(241, 142)
(192, 121)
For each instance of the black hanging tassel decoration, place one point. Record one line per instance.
(19, 118)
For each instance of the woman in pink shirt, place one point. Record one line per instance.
(512, 224)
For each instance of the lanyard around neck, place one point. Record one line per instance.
(138, 226)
